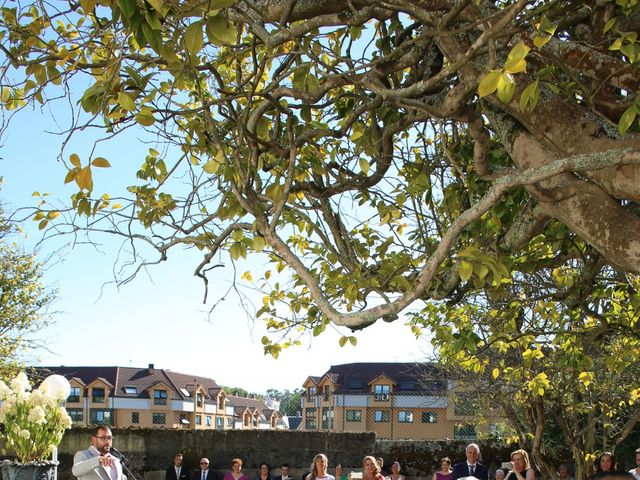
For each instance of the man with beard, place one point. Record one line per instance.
(97, 463)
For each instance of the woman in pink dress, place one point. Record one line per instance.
(445, 472)
(235, 473)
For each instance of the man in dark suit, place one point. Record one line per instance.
(206, 473)
(472, 466)
(177, 471)
(284, 472)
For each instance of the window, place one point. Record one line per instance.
(230, 422)
(310, 418)
(185, 392)
(327, 392)
(207, 420)
(135, 417)
(130, 390)
(405, 417)
(429, 417)
(381, 393)
(407, 386)
(221, 403)
(159, 397)
(76, 415)
(183, 419)
(355, 385)
(311, 392)
(74, 395)
(158, 419)
(381, 416)
(198, 419)
(97, 395)
(327, 418)
(199, 399)
(354, 415)
(100, 417)
(219, 423)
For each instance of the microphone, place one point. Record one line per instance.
(119, 455)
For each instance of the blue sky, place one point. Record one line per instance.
(159, 317)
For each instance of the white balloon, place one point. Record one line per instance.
(57, 386)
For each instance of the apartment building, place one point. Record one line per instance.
(150, 397)
(395, 400)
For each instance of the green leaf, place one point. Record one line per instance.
(259, 243)
(609, 25)
(215, 4)
(489, 83)
(627, 119)
(364, 165)
(126, 101)
(342, 341)
(157, 5)
(530, 96)
(465, 270)
(193, 39)
(220, 31)
(145, 117)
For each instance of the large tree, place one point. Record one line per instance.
(24, 301)
(380, 153)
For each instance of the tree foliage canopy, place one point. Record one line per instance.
(381, 152)
(23, 301)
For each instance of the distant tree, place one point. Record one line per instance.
(24, 300)
(241, 392)
(289, 401)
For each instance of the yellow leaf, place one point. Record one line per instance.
(516, 57)
(506, 87)
(247, 276)
(53, 215)
(116, 206)
(75, 160)
(465, 269)
(495, 373)
(489, 83)
(100, 162)
(84, 180)
(71, 175)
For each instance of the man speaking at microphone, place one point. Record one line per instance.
(97, 463)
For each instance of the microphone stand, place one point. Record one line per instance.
(120, 456)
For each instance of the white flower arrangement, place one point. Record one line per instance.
(34, 421)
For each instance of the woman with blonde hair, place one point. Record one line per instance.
(520, 467)
(371, 469)
(319, 468)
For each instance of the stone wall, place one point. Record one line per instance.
(150, 452)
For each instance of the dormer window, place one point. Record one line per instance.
(159, 397)
(97, 395)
